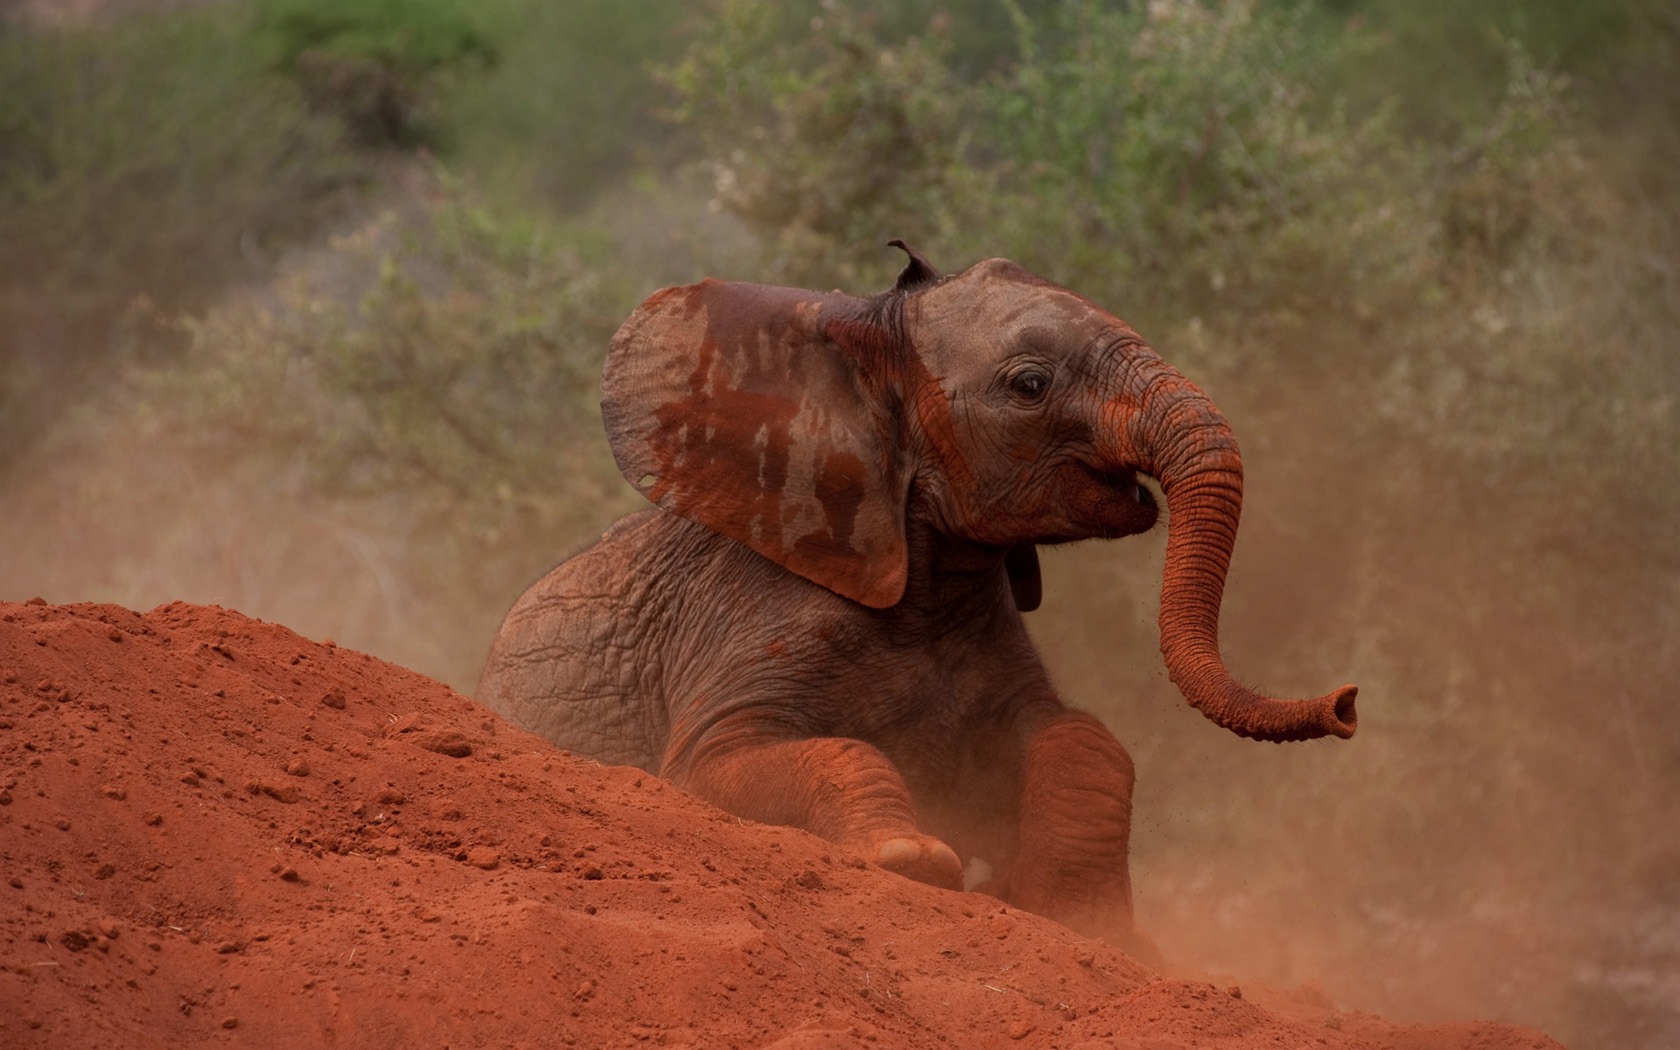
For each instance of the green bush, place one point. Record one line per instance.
(150, 158)
(1179, 154)
(453, 358)
(379, 65)
(569, 108)
(1162, 153)
(828, 142)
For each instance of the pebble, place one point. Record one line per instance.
(444, 742)
(484, 857)
(280, 792)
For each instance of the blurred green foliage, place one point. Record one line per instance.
(380, 65)
(1440, 65)
(822, 136)
(152, 161)
(570, 107)
(428, 364)
(1176, 154)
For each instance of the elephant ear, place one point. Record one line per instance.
(767, 415)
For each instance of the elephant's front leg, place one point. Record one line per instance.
(843, 790)
(1075, 822)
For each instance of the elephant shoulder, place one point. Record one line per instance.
(573, 661)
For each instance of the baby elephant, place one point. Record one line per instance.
(821, 626)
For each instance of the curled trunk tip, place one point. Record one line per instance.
(1346, 719)
(1256, 717)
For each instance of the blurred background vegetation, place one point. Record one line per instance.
(302, 304)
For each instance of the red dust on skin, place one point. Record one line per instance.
(718, 442)
(156, 893)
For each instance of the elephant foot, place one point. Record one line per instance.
(916, 856)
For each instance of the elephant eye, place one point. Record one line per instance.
(1029, 383)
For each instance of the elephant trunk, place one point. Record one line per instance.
(1174, 433)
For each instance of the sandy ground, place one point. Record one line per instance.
(214, 831)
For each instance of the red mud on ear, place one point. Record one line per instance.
(217, 831)
(729, 404)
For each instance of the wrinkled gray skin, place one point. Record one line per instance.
(821, 624)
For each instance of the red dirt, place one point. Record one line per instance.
(217, 832)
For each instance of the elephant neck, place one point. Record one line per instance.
(951, 579)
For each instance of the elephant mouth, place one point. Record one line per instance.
(1116, 503)
(1142, 494)
(1123, 485)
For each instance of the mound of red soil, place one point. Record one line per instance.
(214, 831)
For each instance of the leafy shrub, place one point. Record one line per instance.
(825, 140)
(1175, 150)
(463, 374)
(150, 157)
(569, 108)
(380, 65)
(1164, 151)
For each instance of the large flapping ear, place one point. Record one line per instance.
(758, 412)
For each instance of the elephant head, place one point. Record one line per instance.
(992, 408)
